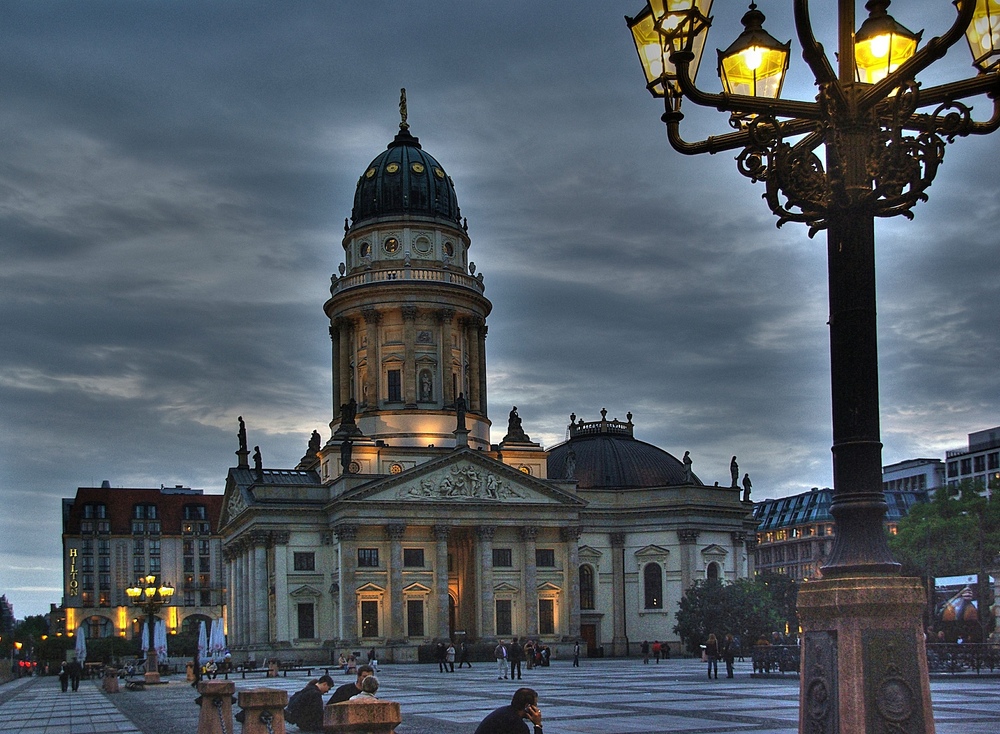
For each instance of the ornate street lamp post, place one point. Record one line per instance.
(150, 597)
(883, 136)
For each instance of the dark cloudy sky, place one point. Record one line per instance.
(174, 178)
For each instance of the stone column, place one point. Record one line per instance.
(397, 628)
(482, 369)
(346, 537)
(528, 535)
(372, 378)
(282, 631)
(261, 628)
(688, 539)
(739, 546)
(441, 533)
(335, 368)
(229, 599)
(571, 537)
(751, 546)
(619, 643)
(487, 619)
(343, 327)
(246, 595)
(444, 318)
(409, 356)
(472, 324)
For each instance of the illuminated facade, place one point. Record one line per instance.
(407, 525)
(111, 537)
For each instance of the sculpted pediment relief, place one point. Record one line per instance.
(462, 482)
(236, 503)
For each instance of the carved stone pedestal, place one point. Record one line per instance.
(864, 660)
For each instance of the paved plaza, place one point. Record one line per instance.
(600, 697)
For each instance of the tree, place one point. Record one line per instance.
(745, 608)
(6, 617)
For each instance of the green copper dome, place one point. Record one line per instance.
(405, 181)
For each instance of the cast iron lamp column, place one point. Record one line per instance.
(864, 665)
(150, 597)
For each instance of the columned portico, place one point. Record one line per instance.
(528, 535)
(441, 533)
(688, 539)
(347, 534)
(571, 537)
(397, 629)
(620, 641)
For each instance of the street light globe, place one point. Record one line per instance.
(756, 62)
(983, 35)
(881, 45)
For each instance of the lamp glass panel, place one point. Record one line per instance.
(655, 59)
(756, 71)
(983, 35)
(878, 56)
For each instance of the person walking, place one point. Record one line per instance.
(64, 677)
(712, 654)
(500, 654)
(449, 657)
(656, 651)
(576, 654)
(441, 655)
(515, 655)
(644, 647)
(463, 654)
(75, 671)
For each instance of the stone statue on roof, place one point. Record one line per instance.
(734, 471)
(258, 462)
(747, 485)
(242, 434)
(515, 433)
(688, 475)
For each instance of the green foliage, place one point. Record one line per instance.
(950, 535)
(745, 608)
(6, 618)
(33, 628)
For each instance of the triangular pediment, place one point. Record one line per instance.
(652, 551)
(370, 588)
(714, 550)
(417, 588)
(304, 592)
(461, 478)
(504, 587)
(548, 586)
(589, 553)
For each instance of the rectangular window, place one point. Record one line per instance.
(103, 526)
(546, 617)
(204, 564)
(369, 619)
(502, 558)
(206, 597)
(204, 547)
(104, 581)
(413, 557)
(952, 468)
(87, 598)
(415, 617)
(367, 557)
(504, 625)
(979, 463)
(138, 564)
(153, 528)
(966, 465)
(154, 547)
(545, 557)
(87, 547)
(188, 598)
(138, 547)
(138, 527)
(189, 564)
(154, 565)
(307, 621)
(87, 526)
(87, 564)
(104, 598)
(87, 581)
(994, 460)
(103, 547)
(304, 561)
(194, 512)
(104, 564)
(188, 547)
(395, 394)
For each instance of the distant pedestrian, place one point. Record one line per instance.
(75, 671)
(449, 657)
(656, 651)
(463, 654)
(576, 654)
(712, 654)
(645, 651)
(500, 654)
(441, 655)
(515, 655)
(729, 654)
(64, 677)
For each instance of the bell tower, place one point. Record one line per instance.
(407, 311)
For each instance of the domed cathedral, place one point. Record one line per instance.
(408, 314)
(406, 526)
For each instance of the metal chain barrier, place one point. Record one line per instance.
(217, 702)
(266, 717)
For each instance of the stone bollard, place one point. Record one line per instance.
(216, 701)
(272, 669)
(263, 710)
(371, 717)
(111, 680)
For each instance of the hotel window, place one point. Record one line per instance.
(87, 564)
(504, 626)
(204, 564)
(307, 622)
(104, 598)
(546, 617)
(104, 526)
(952, 468)
(368, 557)
(104, 564)
(206, 597)
(153, 527)
(653, 586)
(545, 557)
(204, 548)
(994, 460)
(966, 465)
(138, 547)
(87, 547)
(304, 561)
(413, 557)
(502, 558)
(415, 617)
(188, 598)
(104, 581)
(87, 598)
(138, 527)
(369, 619)
(154, 547)
(586, 587)
(979, 463)
(87, 581)
(138, 564)
(194, 512)
(188, 547)
(154, 565)
(188, 564)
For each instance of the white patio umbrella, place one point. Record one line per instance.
(218, 641)
(160, 639)
(202, 643)
(81, 645)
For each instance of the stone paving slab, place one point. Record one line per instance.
(600, 697)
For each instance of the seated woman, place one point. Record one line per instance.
(368, 688)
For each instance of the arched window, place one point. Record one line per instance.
(653, 584)
(713, 571)
(586, 587)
